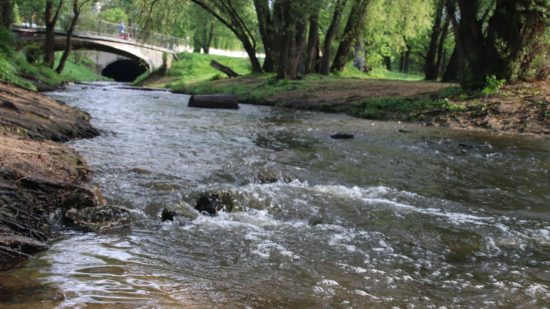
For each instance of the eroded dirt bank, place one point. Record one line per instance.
(43, 184)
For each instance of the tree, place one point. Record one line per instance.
(505, 45)
(77, 8)
(351, 33)
(227, 12)
(431, 67)
(331, 34)
(51, 17)
(6, 13)
(114, 15)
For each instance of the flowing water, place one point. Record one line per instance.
(427, 217)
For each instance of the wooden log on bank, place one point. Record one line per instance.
(224, 69)
(214, 101)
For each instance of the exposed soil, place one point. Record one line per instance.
(40, 180)
(520, 108)
(37, 116)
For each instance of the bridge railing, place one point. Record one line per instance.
(131, 33)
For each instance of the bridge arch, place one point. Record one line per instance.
(124, 70)
(151, 56)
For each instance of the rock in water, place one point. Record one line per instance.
(212, 203)
(167, 215)
(214, 101)
(98, 219)
(342, 136)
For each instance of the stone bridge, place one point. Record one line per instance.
(151, 56)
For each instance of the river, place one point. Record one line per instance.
(400, 215)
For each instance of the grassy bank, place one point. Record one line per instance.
(15, 69)
(362, 97)
(193, 68)
(379, 95)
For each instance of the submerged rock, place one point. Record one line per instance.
(220, 101)
(167, 215)
(98, 219)
(212, 203)
(342, 136)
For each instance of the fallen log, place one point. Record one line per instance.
(214, 101)
(224, 69)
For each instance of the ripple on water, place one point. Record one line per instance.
(432, 218)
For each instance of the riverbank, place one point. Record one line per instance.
(43, 184)
(520, 108)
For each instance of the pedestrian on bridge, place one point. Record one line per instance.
(122, 31)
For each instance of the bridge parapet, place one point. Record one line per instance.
(108, 29)
(133, 35)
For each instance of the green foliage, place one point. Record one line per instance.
(492, 85)
(394, 25)
(7, 41)
(114, 15)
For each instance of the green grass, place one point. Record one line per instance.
(407, 108)
(80, 72)
(9, 73)
(192, 68)
(194, 75)
(381, 73)
(262, 86)
(378, 73)
(15, 69)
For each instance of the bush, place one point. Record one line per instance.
(492, 85)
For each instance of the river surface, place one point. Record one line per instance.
(427, 218)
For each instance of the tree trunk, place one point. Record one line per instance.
(197, 45)
(265, 24)
(359, 60)
(285, 37)
(402, 62)
(6, 13)
(298, 53)
(51, 18)
(456, 66)
(235, 23)
(207, 37)
(453, 70)
(431, 67)
(70, 31)
(407, 60)
(387, 63)
(472, 43)
(312, 50)
(351, 33)
(441, 47)
(224, 69)
(331, 34)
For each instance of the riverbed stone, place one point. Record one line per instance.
(212, 203)
(342, 136)
(98, 219)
